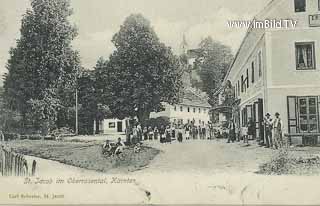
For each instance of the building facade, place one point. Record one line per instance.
(192, 108)
(111, 126)
(277, 69)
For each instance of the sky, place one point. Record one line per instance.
(99, 20)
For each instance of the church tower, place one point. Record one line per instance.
(184, 60)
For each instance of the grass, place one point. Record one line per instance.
(290, 162)
(85, 154)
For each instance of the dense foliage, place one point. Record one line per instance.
(141, 73)
(42, 67)
(211, 65)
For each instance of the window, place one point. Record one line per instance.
(319, 5)
(305, 57)
(188, 109)
(299, 5)
(112, 125)
(199, 110)
(199, 121)
(238, 87)
(308, 117)
(303, 114)
(260, 63)
(194, 110)
(204, 110)
(181, 109)
(242, 87)
(175, 108)
(252, 72)
(247, 78)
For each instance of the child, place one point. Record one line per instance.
(245, 135)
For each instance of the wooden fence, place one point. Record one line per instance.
(13, 164)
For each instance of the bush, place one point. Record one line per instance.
(281, 163)
(61, 132)
(35, 137)
(11, 136)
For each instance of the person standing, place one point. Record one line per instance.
(150, 133)
(211, 131)
(135, 138)
(277, 131)
(162, 134)
(231, 128)
(145, 133)
(173, 131)
(168, 134)
(139, 129)
(245, 134)
(194, 132)
(180, 129)
(251, 129)
(187, 131)
(203, 131)
(268, 130)
(156, 133)
(199, 132)
(237, 133)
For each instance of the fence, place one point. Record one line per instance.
(13, 164)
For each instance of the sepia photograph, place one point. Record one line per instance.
(159, 102)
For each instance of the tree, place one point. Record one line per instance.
(42, 67)
(212, 65)
(141, 73)
(90, 108)
(9, 120)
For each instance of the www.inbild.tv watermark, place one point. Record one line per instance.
(265, 24)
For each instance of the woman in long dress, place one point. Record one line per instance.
(156, 133)
(162, 134)
(168, 134)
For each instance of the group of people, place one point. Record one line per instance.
(112, 149)
(165, 134)
(272, 129)
(199, 132)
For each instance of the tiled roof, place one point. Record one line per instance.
(193, 98)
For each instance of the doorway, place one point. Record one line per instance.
(119, 127)
(258, 116)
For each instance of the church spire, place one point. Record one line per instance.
(184, 45)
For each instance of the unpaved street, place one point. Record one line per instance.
(208, 157)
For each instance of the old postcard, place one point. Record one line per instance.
(160, 102)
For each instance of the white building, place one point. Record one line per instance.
(193, 107)
(112, 126)
(278, 69)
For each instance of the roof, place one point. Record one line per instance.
(194, 98)
(249, 30)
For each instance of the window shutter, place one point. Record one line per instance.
(318, 106)
(293, 126)
(247, 78)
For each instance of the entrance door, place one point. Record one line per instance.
(260, 117)
(256, 119)
(119, 127)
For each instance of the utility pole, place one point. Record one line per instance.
(77, 132)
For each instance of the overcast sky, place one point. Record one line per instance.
(98, 20)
